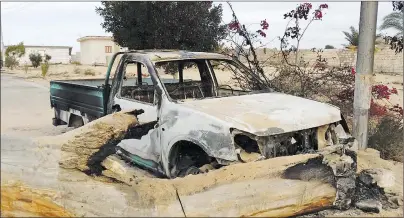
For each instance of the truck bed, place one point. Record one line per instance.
(85, 95)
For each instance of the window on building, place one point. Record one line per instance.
(108, 49)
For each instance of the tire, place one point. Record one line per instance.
(76, 122)
(55, 122)
(192, 170)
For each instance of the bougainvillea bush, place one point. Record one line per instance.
(315, 80)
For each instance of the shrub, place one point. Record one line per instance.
(35, 59)
(387, 137)
(77, 70)
(15, 50)
(11, 62)
(76, 63)
(329, 47)
(44, 68)
(47, 57)
(89, 72)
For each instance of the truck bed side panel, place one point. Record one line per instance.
(85, 98)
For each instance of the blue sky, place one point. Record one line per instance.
(61, 23)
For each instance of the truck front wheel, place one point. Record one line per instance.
(192, 170)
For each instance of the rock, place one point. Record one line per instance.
(355, 145)
(369, 205)
(377, 176)
(397, 200)
(345, 192)
(340, 164)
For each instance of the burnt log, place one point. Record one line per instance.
(278, 187)
(86, 147)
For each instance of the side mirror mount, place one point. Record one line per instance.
(158, 96)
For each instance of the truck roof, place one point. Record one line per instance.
(169, 55)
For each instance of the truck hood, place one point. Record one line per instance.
(268, 113)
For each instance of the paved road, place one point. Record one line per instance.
(26, 115)
(25, 108)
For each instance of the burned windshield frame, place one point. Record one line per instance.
(233, 91)
(241, 67)
(181, 88)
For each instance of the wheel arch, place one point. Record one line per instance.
(172, 150)
(75, 118)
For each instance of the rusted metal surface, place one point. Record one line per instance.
(267, 114)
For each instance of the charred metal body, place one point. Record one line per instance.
(191, 123)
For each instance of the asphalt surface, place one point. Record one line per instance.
(26, 116)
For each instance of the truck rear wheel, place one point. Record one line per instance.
(75, 121)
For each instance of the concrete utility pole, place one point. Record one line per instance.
(2, 41)
(364, 69)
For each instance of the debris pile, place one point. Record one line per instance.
(370, 195)
(322, 180)
(281, 186)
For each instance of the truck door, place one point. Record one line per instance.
(137, 91)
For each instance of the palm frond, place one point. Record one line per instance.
(352, 37)
(393, 20)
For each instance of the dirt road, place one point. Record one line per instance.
(26, 115)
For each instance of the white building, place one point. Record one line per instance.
(97, 50)
(59, 54)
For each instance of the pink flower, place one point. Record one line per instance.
(264, 24)
(318, 14)
(308, 5)
(234, 25)
(353, 72)
(262, 33)
(323, 6)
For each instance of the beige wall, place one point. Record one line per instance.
(58, 54)
(385, 59)
(93, 51)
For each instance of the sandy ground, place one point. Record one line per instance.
(70, 71)
(26, 116)
(29, 169)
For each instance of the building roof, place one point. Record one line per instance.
(94, 38)
(169, 55)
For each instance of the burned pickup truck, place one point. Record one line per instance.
(196, 116)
